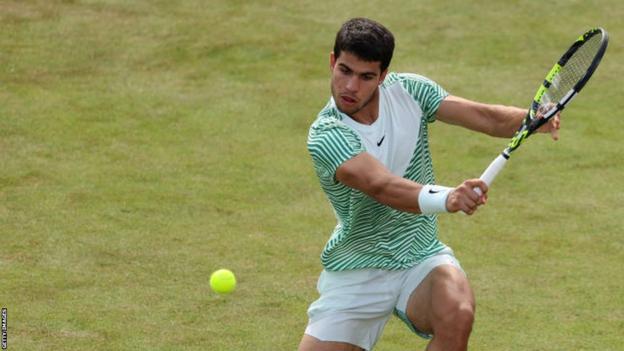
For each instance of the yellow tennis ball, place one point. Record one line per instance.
(223, 281)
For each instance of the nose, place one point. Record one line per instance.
(353, 84)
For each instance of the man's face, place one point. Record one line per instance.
(354, 82)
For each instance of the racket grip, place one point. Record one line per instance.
(492, 171)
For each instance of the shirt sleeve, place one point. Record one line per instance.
(331, 144)
(426, 92)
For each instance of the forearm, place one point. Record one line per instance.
(494, 120)
(368, 175)
(503, 120)
(396, 192)
(408, 196)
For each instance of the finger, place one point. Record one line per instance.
(557, 121)
(472, 197)
(554, 128)
(469, 210)
(477, 183)
(554, 133)
(471, 204)
(483, 199)
(481, 195)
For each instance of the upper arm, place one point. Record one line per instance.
(364, 173)
(330, 145)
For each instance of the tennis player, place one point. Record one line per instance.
(370, 151)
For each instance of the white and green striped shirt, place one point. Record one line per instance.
(370, 234)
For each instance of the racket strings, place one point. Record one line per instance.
(573, 71)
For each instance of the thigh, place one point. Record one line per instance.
(353, 307)
(309, 343)
(444, 290)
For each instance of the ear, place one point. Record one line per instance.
(382, 76)
(332, 61)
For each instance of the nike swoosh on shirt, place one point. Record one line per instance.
(381, 141)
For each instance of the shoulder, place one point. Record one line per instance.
(331, 142)
(329, 134)
(409, 81)
(329, 118)
(422, 90)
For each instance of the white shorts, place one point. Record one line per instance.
(355, 305)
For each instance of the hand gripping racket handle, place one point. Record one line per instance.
(492, 171)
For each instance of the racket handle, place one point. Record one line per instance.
(492, 171)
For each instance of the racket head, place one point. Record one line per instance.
(563, 82)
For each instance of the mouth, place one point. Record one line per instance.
(347, 100)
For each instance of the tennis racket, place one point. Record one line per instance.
(564, 81)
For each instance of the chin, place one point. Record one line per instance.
(348, 111)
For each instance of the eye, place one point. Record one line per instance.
(367, 77)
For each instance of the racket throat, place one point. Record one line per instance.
(517, 139)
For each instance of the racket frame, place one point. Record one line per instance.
(533, 121)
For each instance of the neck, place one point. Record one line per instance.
(369, 113)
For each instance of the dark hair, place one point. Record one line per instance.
(366, 39)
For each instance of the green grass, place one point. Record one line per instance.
(145, 144)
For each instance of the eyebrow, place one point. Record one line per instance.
(369, 73)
